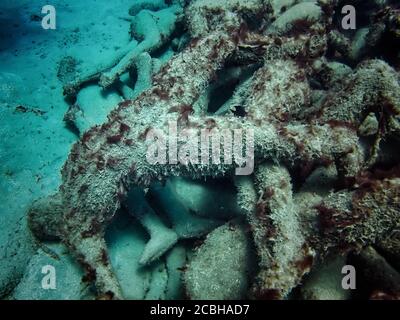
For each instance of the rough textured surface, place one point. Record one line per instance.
(221, 266)
(305, 112)
(324, 283)
(308, 11)
(284, 254)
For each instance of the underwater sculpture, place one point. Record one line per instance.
(290, 132)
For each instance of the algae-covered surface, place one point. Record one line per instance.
(199, 149)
